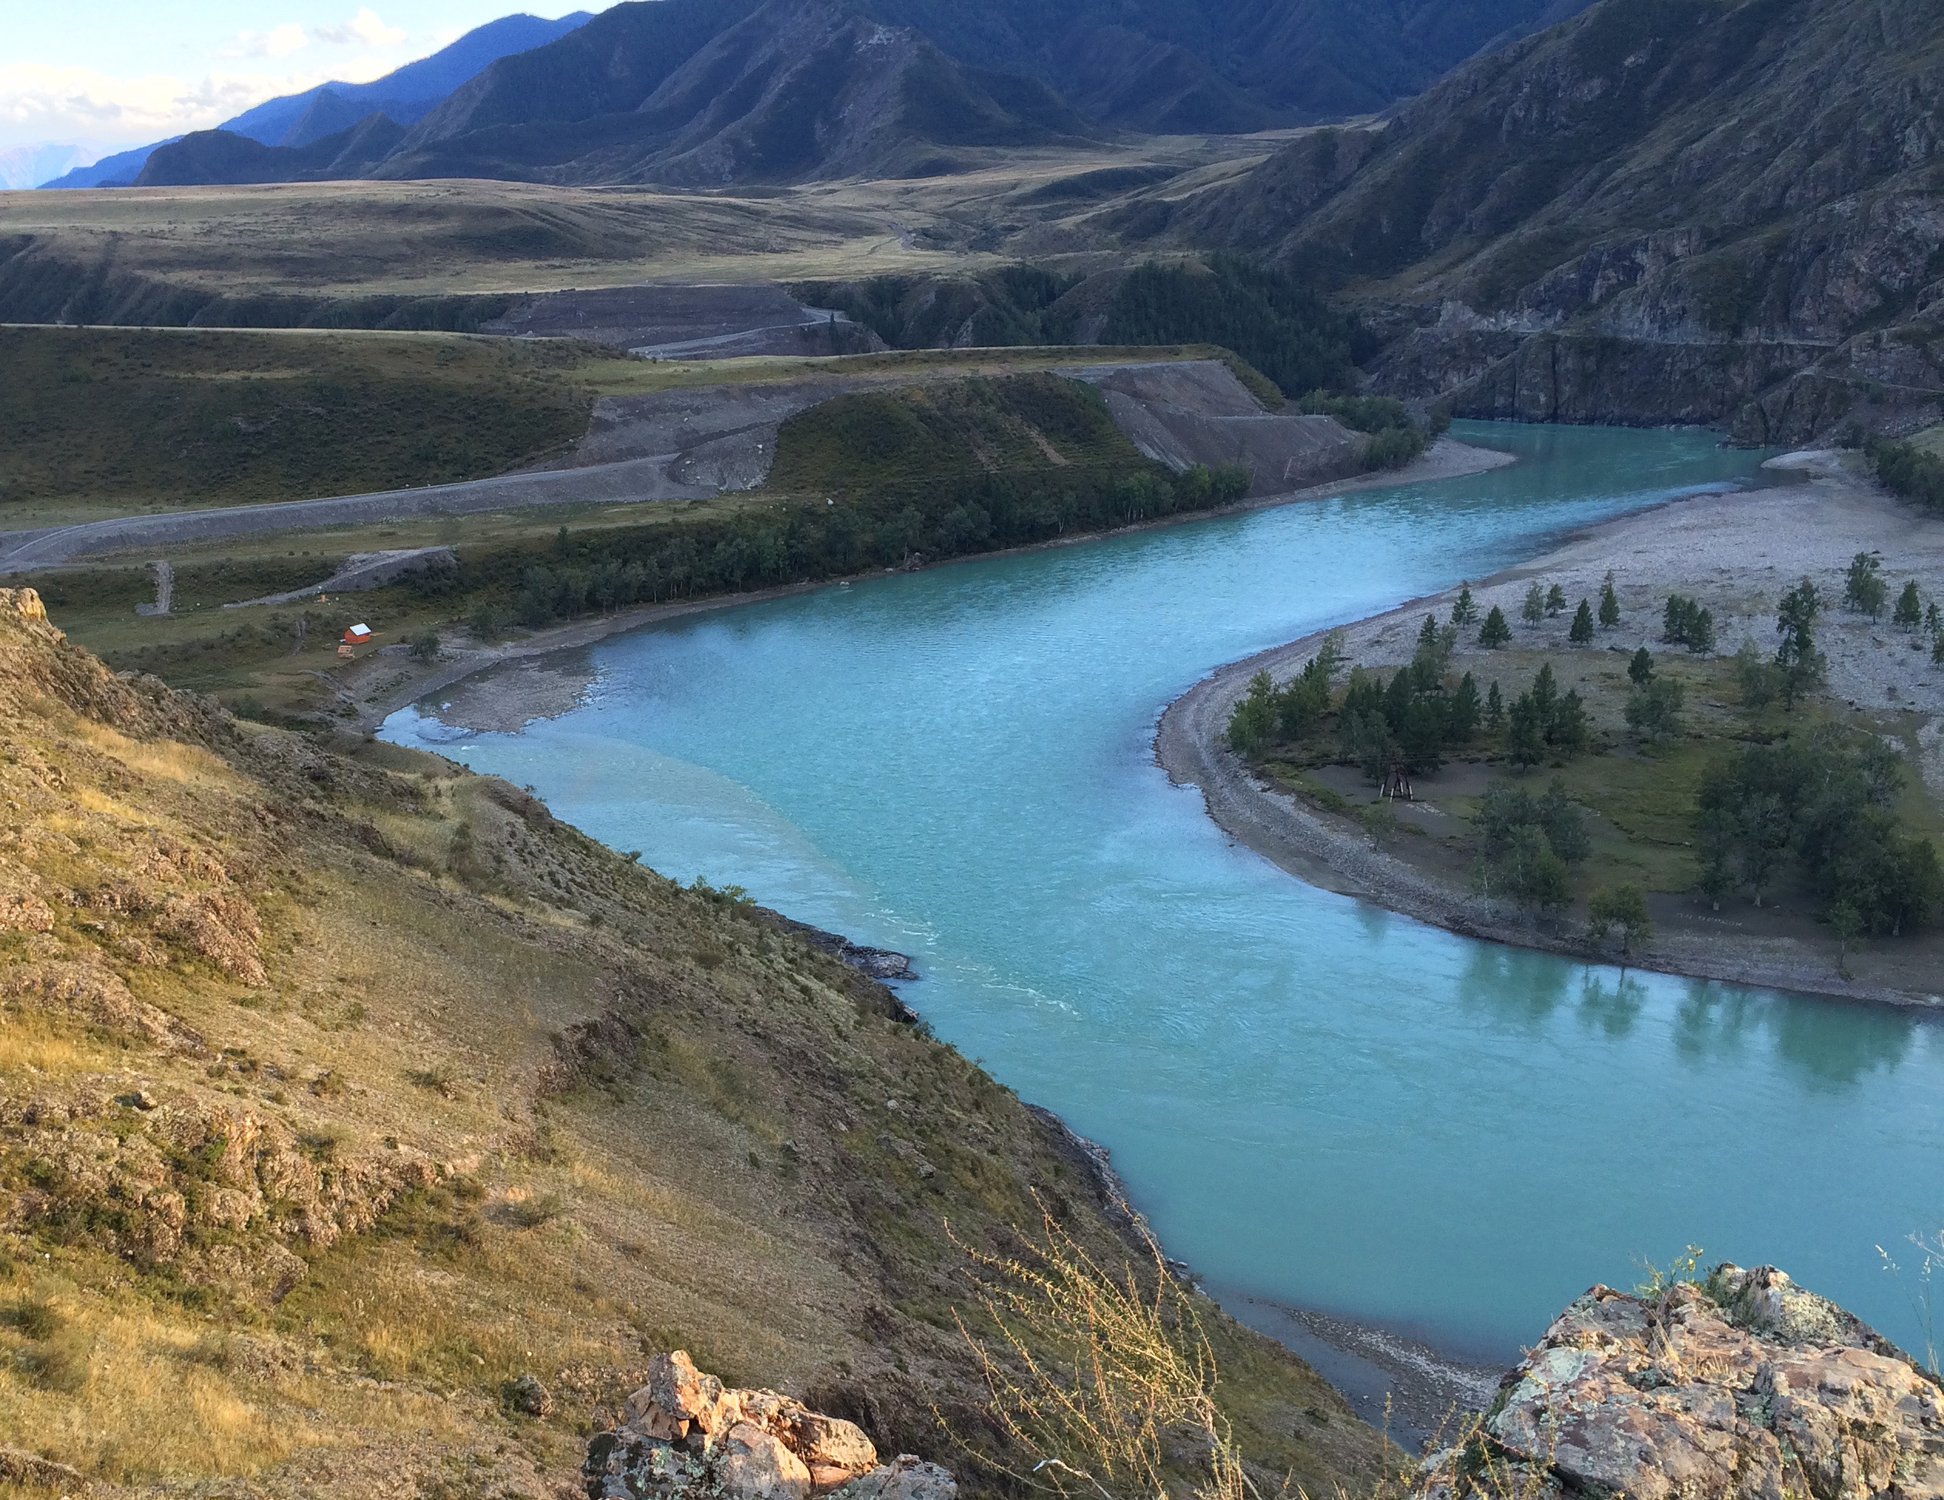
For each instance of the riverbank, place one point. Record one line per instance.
(544, 675)
(1741, 549)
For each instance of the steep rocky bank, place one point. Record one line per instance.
(362, 1126)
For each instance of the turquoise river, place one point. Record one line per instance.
(1315, 1101)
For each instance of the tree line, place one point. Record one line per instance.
(1412, 720)
(685, 558)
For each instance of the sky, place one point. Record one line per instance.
(109, 74)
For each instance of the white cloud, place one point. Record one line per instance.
(365, 29)
(279, 41)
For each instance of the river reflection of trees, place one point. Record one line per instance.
(1826, 1044)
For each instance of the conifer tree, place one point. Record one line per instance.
(1494, 633)
(1555, 600)
(1640, 671)
(1909, 613)
(1461, 719)
(1495, 706)
(1465, 610)
(1526, 740)
(1582, 632)
(1864, 590)
(1534, 609)
(1609, 604)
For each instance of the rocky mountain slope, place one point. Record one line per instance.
(364, 1131)
(1659, 211)
(694, 93)
(700, 92)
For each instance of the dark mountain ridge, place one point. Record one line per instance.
(405, 95)
(1660, 211)
(704, 92)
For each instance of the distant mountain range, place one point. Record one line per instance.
(302, 120)
(707, 92)
(1659, 211)
(28, 166)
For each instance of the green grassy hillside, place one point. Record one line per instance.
(119, 420)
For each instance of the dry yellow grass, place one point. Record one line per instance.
(620, 1147)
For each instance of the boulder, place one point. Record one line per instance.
(679, 1398)
(833, 1450)
(684, 1437)
(755, 1465)
(1746, 1387)
(527, 1396)
(904, 1478)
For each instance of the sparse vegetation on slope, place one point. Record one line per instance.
(339, 1090)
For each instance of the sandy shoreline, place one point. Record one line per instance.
(1761, 539)
(539, 677)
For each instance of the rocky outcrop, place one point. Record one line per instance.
(685, 1435)
(1655, 212)
(1745, 1387)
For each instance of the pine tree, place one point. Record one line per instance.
(1545, 692)
(1933, 621)
(1640, 671)
(1495, 705)
(1701, 636)
(1494, 633)
(1461, 718)
(1555, 600)
(1582, 632)
(1937, 648)
(1465, 610)
(1535, 605)
(1609, 604)
(1568, 729)
(1802, 665)
(1864, 590)
(1909, 613)
(1526, 742)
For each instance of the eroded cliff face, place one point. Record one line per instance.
(1657, 212)
(1745, 1387)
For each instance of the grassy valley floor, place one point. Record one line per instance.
(1736, 554)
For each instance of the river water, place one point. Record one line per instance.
(1315, 1101)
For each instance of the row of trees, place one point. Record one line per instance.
(609, 569)
(1825, 807)
(1866, 592)
(1541, 604)
(1908, 471)
(1414, 718)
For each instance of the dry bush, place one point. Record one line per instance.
(1106, 1380)
(1103, 1376)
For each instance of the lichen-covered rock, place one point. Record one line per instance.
(1745, 1388)
(904, 1478)
(685, 1437)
